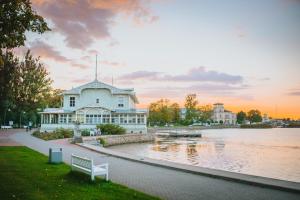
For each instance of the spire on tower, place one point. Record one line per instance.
(96, 69)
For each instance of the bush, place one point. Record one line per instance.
(111, 129)
(293, 125)
(57, 134)
(102, 141)
(256, 126)
(85, 132)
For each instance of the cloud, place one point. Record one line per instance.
(46, 51)
(79, 65)
(294, 93)
(199, 74)
(112, 63)
(83, 21)
(203, 89)
(138, 75)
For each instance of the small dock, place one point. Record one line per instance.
(179, 133)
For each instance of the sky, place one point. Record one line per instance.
(245, 54)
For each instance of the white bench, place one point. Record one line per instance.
(6, 127)
(86, 166)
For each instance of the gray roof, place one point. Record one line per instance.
(100, 85)
(56, 110)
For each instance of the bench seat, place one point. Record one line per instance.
(86, 166)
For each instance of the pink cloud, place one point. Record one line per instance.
(83, 21)
(199, 74)
(46, 51)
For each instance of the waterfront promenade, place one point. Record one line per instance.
(159, 181)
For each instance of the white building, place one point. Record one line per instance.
(96, 103)
(265, 118)
(220, 115)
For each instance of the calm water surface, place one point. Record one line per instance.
(273, 153)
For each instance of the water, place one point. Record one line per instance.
(273, 153)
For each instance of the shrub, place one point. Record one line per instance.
(111, 129)
(102, 141)
(256, 126)
(57, 134)
(293, 125)
(85, 132)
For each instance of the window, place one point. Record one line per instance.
(115, 118)
(70, 119)
(97, 100)
(140, 119)
(131, 119)
(72, 101)
(122, 119)
(120, 102)
(63, 119)
(105, 119)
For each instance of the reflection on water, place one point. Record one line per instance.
(273, 153)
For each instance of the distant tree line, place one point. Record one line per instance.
(25, 86)
(254, 116)
(164, 112)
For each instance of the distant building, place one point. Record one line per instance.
(182, 113)
(265, 118)
(220, 115)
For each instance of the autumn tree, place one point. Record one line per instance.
(164, 112)
(205, 113)
(175, 109)
(254, 116)
(190, 104)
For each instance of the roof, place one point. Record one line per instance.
(56, 110)
(100, 85)
(132, 111)
(215, 104)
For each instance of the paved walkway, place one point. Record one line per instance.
(5, 137)
(158, 181)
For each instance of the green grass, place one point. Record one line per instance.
(26, 174)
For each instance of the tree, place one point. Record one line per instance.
(191, 105)
(55, 98)
(32, 85)
(163, 112)
(254, 116)
(8, 72)
(17, 17)
(241, 117)
(175, 112)
(25, 87)
(205, 113)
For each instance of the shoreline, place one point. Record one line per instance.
(264, 182)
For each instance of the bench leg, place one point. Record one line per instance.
(106, 176)
(92, 177)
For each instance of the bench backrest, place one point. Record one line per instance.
(82, 162)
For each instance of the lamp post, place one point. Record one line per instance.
(5, 115)
(77, 133)
(21, 118)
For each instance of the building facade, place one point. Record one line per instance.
(96, 103)
(220, 115)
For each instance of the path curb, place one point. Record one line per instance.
(219, 174)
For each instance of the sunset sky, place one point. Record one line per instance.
(245, 54)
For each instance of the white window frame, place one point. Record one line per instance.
(72, 102)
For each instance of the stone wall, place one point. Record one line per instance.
(110, 140)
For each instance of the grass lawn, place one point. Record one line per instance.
(25, 174)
